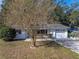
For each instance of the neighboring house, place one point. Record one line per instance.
(57, 31)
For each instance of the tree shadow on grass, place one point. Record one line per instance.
(12, 40)
(49, 44)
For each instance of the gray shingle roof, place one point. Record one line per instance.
(53, 26)
(46, 26)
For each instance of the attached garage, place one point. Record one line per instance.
(58, 31)
(59, 34)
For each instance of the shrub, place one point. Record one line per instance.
(7, 33)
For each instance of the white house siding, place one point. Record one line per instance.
(23, 35)
(49, 31)
(54, 34)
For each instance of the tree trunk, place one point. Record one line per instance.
(33, 41)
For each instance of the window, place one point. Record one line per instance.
(18, 31)
(41, 31)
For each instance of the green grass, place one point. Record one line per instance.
(44, 50)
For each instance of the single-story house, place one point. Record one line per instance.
(57, 31)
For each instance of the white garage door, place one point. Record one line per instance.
(60, 35)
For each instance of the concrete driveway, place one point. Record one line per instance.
(72, 44)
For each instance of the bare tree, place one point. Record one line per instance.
(28, 15)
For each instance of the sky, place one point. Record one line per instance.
(0, 1)
(68, 2)
(0, 4)
(71, 1)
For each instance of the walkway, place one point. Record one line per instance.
(72, 44)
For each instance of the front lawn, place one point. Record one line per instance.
(45, 50)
